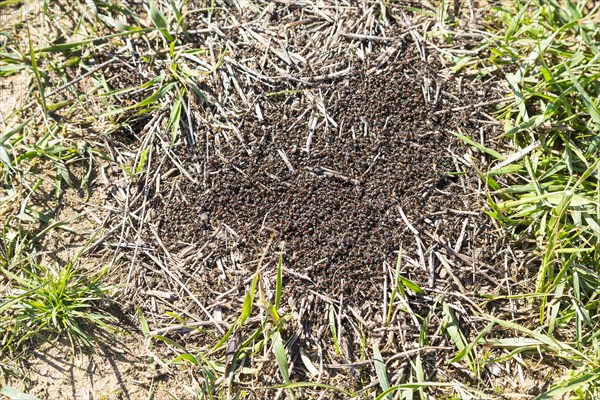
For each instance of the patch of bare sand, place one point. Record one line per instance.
(12, 92)
(120, 370)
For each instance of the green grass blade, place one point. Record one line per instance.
(279, 282)
(281, 356)
(561, 348)
(451, 327)
(467, 349)
(249, 299)
(59, 224)
(13, 131)
(479, 146)
(333, 328)
(38, 77)
(148, 101)
(175, 119)
(381, 371)
(570, 386)
(591, 108)
(159, 21)
(65, 47)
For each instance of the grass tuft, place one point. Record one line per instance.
(41, 301)
(548, 188)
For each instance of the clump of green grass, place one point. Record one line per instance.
(46, 301)
(549, 188)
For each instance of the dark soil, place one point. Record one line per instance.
(334, 208)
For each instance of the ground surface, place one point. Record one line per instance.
(318, 165)
(328, 183)
(326, 138)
